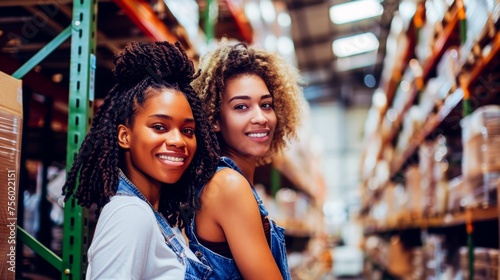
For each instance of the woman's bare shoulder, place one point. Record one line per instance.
(227, 185)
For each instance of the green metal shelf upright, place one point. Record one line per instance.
(82, 30)
(80, 111)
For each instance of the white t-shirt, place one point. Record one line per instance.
(128, 244)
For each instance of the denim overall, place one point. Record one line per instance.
(194, 270)
(225, 268)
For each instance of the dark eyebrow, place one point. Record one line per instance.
(169, 118)
(244, 97)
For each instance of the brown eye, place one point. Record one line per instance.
(188, 131)
(241, 107)
(158, 127)
(268, 106)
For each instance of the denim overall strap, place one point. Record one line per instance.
(230, 163)
(125, 187)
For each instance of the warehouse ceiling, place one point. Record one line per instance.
(330, 78)
(26, 26)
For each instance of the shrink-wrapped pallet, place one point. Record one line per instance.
(481, 154)
(11, 119)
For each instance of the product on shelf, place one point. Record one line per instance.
(415, 192)
(481, 156)
(434, 257)
(479, 23)
(456, 195)
(413, 121)
(433, 165)
(432, 95)
(493, 258)
(447, 70)
(11, 120)
(399, 258)
(434, 15)
(440, 137)
(294, 211)
(485, 263)
(428, 182)
(396, 46)
(369, 160)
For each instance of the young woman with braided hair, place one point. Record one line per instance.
(253, 100)
(149, 146)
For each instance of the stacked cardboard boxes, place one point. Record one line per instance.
(11, 120)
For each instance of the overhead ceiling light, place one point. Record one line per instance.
(270, 43)
(370, 80)
(379, 98)
(355, 10)
(355, 44)
(252, 11)
(355, 62)
(267, 10)
(285, 46)
(284, 19)
(407, 9)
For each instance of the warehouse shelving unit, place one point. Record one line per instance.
(469, 220)
(82, 32)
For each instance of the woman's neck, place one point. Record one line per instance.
(144, 184)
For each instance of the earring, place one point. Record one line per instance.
(215, 126)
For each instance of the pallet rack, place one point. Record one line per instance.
(460, 102)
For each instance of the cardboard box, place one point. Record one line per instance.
(11, 120)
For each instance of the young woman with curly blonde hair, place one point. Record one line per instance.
(252, 99)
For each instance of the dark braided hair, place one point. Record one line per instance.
(140, 67)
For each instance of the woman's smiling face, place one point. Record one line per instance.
(161, 141)
(247, 119)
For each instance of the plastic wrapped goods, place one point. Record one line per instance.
(481, 154)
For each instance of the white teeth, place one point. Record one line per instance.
(171, 158)
(257, 135)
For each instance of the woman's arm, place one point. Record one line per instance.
(229, 208)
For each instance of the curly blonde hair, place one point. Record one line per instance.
(282, 79)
